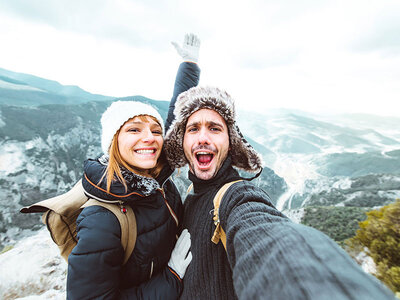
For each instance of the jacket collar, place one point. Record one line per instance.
(137, 186)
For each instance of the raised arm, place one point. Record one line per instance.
(270, 255)
(188, 73)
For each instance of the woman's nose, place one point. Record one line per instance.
(148, 136)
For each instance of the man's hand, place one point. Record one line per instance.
(181, 256)
(190, 48)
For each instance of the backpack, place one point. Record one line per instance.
(60, 214)
(219, 233)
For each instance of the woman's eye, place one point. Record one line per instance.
(158, 132)
(133, 130)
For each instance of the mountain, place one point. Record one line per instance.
(343, 160)
(29, 90)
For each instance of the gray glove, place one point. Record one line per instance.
(190, 48)
(181, 256)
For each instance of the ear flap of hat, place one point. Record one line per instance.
(173, 145)
(244, 156)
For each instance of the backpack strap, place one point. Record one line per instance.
(127, 221)
(65, 204)
(219, 233)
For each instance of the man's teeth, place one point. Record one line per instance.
(142, 151)
(202, 153)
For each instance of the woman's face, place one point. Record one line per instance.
(140, 143)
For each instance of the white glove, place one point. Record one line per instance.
(190, 48)
(181, 256)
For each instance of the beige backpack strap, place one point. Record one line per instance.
(219, 233)
(65, 204)
(189, 189)
(127, 221)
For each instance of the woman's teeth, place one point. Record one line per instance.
(145, 151)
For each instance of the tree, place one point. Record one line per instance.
(379, 234)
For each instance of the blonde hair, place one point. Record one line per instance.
(115, 162)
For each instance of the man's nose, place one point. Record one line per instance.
(204, 137)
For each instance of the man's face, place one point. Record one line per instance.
(205, 143)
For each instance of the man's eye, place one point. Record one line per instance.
(215, 129)
(193, 129)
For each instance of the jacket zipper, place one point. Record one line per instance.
(171, 211)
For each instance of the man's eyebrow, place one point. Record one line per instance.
(209, 123)
(193, 124)
(212, 123)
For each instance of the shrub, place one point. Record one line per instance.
(380, 234)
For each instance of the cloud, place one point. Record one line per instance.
(136, 23)
(303, 54)
(383, 37)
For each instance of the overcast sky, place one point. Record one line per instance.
(313, 55)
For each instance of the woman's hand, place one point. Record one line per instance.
(181, 256)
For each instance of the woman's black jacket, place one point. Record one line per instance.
(95, 269)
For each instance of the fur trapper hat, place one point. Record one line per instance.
(118, 113)
(242, 153)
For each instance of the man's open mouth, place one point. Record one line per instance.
(204, 158)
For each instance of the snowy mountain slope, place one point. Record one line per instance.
(28, 90)
(314, 153)
(33, 269)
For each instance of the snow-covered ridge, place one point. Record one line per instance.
(33, 269)
(13, 86)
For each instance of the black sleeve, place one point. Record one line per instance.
(270, 255)
(187, 77)
(165, 285)
(94, 265)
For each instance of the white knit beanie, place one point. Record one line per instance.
(118, 113)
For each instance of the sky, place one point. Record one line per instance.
(321, 56)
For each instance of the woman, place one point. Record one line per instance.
(133, 171)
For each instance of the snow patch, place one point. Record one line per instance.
(395, 194)
(11, 157)
(295, 169)
(342, 184)
(296, 215)
(33, 269)
(2, 123)
(366, 262)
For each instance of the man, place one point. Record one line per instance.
(267, 255)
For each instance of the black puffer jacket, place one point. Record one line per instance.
(95, 265)
(95, 268)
